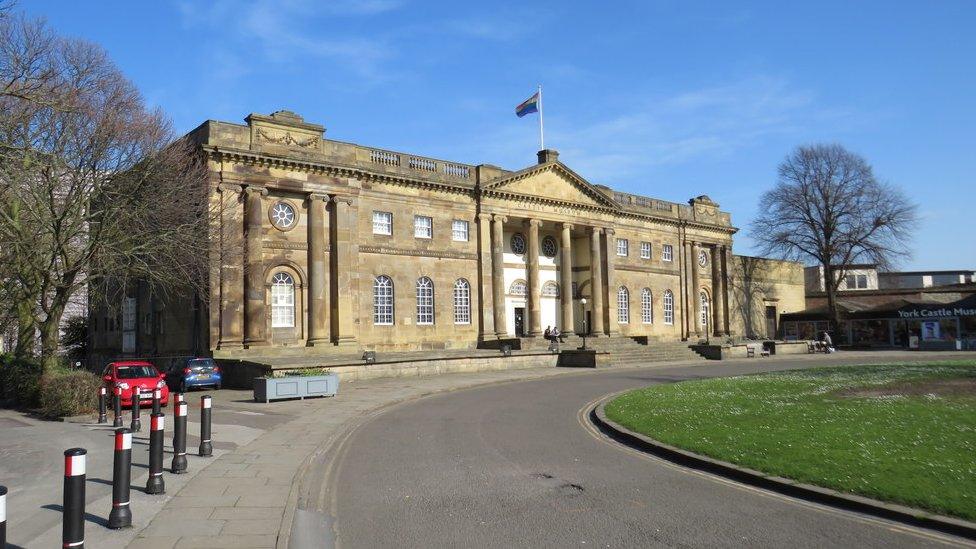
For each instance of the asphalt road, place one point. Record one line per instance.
(517, 465)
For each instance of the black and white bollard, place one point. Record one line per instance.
(3, 516)
(117, 407)
(157, 397)
(136, 424)
(179, 439)
(121, 514)
(102, 407)
(206, 447)
(73, 510)
(155, 483)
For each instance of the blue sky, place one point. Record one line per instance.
(664, 98)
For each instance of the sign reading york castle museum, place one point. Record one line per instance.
(937, 313)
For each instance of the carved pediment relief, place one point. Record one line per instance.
(553, 182)
(284, 129)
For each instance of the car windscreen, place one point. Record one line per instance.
(201, 364)
(133, 372)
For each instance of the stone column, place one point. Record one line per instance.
(535, 295)
(718, 297)
(613, 327)
(498, 274)
(486, 301)
(725, 290)
(231, 259)
(696, 289)
(318, 272)
(686, 305)
(566, 279)
(344, 229)
(596, 283)
(255, 322)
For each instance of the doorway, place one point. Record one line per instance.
(520, 322)
(771, 321)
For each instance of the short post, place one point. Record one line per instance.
(3, 516)
(179, 439)
(206, 447)
(121, 514)
(73, 509)
(178, 397)
(157, 397)
(136, 424)
(117, 406)
(102, 407)
(155, 483)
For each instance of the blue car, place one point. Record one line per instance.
(194, 373)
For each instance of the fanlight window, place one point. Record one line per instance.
(383, 300)
(647, 306)
(282, 301)
(549, 247)
(623, 305)
(282, 215)
(462, 302)
(550, 289)
(518, 244)
(425, 301)
(668, 307)
(517, 288)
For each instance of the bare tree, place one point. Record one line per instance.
(93, 188)
(828, 208)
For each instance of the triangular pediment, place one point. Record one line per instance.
(553, 181)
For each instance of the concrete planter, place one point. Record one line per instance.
(267, 389)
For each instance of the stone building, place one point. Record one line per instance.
(329, 248)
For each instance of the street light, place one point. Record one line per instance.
(583, 302)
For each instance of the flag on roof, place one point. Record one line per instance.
(528, 106)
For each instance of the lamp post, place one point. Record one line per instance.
(583, 302)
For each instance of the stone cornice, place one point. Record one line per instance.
(643, 269)
(442, 254)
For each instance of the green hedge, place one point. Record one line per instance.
(69, 393)
(59, 393)
(20, 381)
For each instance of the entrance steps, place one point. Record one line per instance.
(623, 350)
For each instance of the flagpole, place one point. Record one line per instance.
(542, 138)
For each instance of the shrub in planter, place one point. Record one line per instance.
(69, 393)
(20, 381)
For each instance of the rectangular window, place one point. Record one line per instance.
(622, 247)
(423, 226)
(862, 282)
(666, 253)
(459, 231)
(645, 250)
(382, 223)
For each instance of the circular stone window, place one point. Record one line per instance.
(549, 246)
(283, 215)
(518, 244)
(702, 258)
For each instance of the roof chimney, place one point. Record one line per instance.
(548, 155)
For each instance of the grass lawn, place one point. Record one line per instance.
(898, 432)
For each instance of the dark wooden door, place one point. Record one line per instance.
(520, 321)
(770, 321)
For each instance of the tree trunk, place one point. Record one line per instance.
(833, 323)
(26, 329)
(51, 332)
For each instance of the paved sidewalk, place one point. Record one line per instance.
(248, 497)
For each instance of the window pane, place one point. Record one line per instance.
(462, 302)
(282, 301)
(423, 226)
(645, 251)
(647, 311)
(383, 300)
(623, 305)
(666, 252)
(622, 246)
(668, 307)
(425, 301)
(459, 230)
(382, 223)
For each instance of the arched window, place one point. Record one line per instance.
(647, 304)
(623, 305)
(383, 300)
(703, 297)
(425, 301)
(282, 301)
(668, 307)
(517, 288)
(550, 289)
(462, 302)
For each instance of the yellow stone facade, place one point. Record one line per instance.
(303, 264)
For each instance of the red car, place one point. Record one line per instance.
(135, 373)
